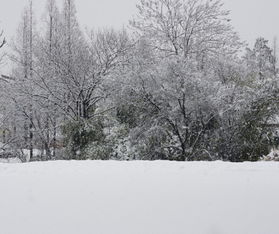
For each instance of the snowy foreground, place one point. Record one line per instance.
(139, 198)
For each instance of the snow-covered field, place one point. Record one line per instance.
(139, 198)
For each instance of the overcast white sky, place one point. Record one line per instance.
(251, 18)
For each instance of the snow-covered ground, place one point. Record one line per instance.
(9, 160)
(139, 198)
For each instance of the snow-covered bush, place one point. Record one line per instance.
(272, 156)
(80, 135)
(119, 140)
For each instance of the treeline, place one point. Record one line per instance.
(177, 85)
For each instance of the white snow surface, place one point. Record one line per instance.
(94, 197)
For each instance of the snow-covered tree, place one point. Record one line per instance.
(192, 28)
(174, 81)
(261, 60)
(22, 95)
